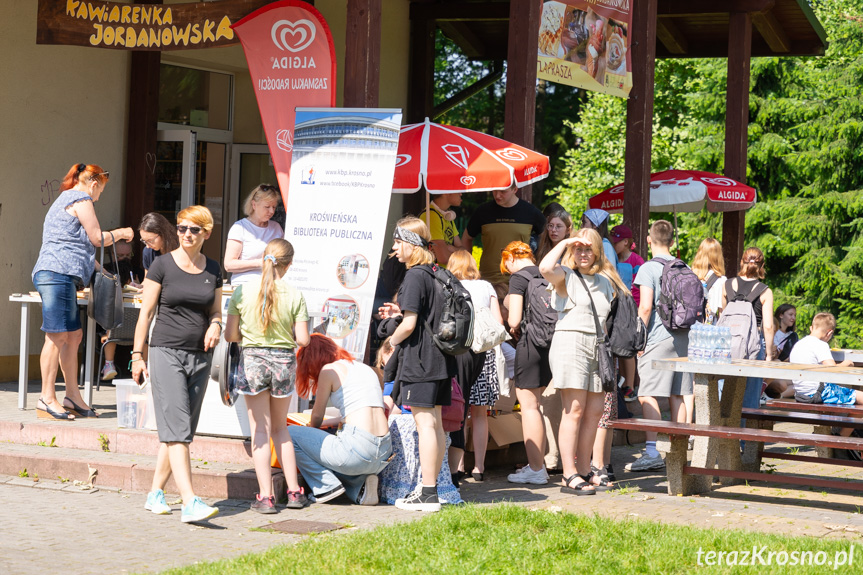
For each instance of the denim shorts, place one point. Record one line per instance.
(263, 368)
(59, 301)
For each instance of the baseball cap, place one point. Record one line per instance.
(620, 232)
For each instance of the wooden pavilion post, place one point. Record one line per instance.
(363, 54)
(639, 122)
(736, 131)
(520, 102)
(141, 137)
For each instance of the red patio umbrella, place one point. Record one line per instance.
(684, 191)
(447, 159)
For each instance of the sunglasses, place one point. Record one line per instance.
(194, 229)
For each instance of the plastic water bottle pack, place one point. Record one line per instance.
(709, 344)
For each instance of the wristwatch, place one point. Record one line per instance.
(221, 327)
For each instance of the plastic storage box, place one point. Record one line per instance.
(134, 405)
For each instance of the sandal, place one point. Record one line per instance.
(79, 410)
(44, 411)
(603, 485)
(583, 488)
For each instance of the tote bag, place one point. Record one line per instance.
(106, 294)
(603, 352)
(487, 332)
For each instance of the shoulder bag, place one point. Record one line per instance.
(603, 351)
(106, 294)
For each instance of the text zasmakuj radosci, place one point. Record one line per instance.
(338, 233)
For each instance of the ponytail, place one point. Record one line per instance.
(278, 255)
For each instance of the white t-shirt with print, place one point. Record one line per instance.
(254, 240)
(812, 351)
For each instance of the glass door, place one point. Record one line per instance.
(176, 152)
(251, 166)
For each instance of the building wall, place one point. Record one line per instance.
(61, 105)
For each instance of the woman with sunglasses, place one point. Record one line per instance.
(187, 288)
(247, 239)
(66, 262)
(159, 237)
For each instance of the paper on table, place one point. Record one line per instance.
(332, 418)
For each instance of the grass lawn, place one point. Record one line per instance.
(512, 539)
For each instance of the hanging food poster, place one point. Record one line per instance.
(585, 43)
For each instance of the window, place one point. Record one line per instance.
(194, 97)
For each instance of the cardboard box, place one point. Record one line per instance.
(503, 430)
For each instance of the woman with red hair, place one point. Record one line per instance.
(349, 461)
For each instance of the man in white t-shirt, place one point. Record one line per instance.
(814, 349)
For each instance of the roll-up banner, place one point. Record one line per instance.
(585, 43)
(341, 183)
(292, 62)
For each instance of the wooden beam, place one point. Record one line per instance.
(670, 36)
(700, 7)
(461, 34)
(493, 76)
(363, 49)
(772, 32)
(520, 102)
(140, 197)
(736, 131)
(461, 11)
(639, 122)
(421, 71)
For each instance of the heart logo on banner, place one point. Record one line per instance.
(285, 140)
(150, 159)
(403, 159)
(304, 28)
(468, 180)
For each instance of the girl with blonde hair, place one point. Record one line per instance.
(478, 378)
(580, 292)
(424, 377)
(269, 318)
(709, 266)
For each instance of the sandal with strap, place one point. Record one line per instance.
(80, 411)
(44, 411)
(583, 488)
(603, 485)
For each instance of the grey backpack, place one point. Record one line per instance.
(739, 316)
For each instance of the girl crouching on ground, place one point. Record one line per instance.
(270, 318)
(350, 461)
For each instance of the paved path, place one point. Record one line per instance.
(104, 531)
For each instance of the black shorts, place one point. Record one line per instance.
(426, 393)
(532, 370)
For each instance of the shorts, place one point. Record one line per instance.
(59, 301)
(532, 370)
(837, 395)
(179, 379)
(426, 393)
(659, 382)
(267, 368)
(573, 361)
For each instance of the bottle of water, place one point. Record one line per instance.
(724, 345)
(707, 338)
(696, 343)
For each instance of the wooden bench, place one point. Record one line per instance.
(673, 439)
(815, 407)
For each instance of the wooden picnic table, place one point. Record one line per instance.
(725, 452)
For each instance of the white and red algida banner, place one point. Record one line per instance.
(292, 61)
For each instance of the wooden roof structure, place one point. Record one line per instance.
(685, 28)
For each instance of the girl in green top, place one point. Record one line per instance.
(269, 318)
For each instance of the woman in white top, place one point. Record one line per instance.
(247, 239)
(572, 356)
(483, 391)
(350, 461)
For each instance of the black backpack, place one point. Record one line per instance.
(681, 295)
(454, 332)
(539, 317)
(627, 334)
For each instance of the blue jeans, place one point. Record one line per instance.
(752, 395)
(328, 461)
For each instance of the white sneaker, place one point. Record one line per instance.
(109, 372)
(764, 399)
(417, 501)
(528, 475)
(369, 492)
(646, 463)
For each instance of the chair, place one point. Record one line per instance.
(123, 335)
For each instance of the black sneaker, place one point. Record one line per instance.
(330, 495)
(266, 505)
(422, 499)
